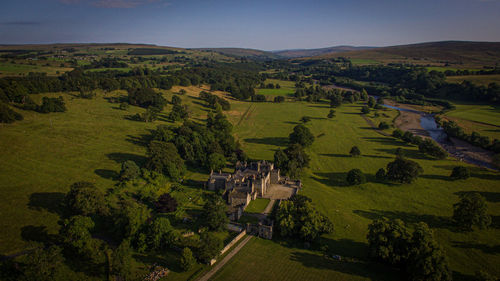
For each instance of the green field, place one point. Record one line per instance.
(287, 89)
(364, 61)
(257, 206)
(11, 69)
(45, 153)
(484, 119)
(482, 80)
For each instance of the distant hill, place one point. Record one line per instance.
(242, 52)
(299, 53)
(457, 53)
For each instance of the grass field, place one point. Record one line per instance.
(484, 119)
(482, 80)
(45, 153)
(355, 61)
(287, 89)
(257, 206)
(11, 69)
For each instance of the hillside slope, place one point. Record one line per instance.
(298, 53)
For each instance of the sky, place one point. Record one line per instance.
(258, 24)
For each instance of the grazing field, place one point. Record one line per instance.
(356, 61)
(484, 119)
(11, 69)
(287, 89)
(265, 128)
(482, 80)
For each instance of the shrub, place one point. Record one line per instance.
(397, 133)
(460, 173)
(430, 147)
(471, 211)
(403, 170)
(383, 126)
(187, 259)
(365, 110)
(258, 98)
(124, 106)
(355, 176)
(355, 151)
(8, 115)
(279, 99)
(380, 175)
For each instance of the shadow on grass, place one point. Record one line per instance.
(436, 177)
(277, 141)
(407, 153)
(291, 122)
(331, 179)
(482, 247)
(119, 157)
(431, 220)
(38, 234)
(336, 155)
(458, 276)
(141, 140)
(106, 174)
(386, 141)
(493, 197)
(49, 201)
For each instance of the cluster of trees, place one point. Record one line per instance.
(298, 218)
(293, 159)
(146, 97)
(426, 146)
(214, 100)
(106, 63)
(471, 211)
(414, 251)
(269, 86)
(8, 115)
(454, 130)
(400, 170)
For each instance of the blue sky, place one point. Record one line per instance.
(267, 25)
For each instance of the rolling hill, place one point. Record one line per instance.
(298, 53)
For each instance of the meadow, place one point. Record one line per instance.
(287, 89)
(46, 153)
(481, 118)
(482, 80)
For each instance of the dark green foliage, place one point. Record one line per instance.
(305, 119)
(164, 158)
(280, 159)
(179, 113)
(160, 234)
(454, 130)
(124, 106)
(403, 170)
(44, 264)
(85, 199)
(166, 204)
(431, 148)
(279, 99)
(484, 276)
(471, 211)
(8, 115)
(355, 176)
(364, 94)
(417, 253)
(397, 133)
(335, 100)
(214, 211)
(76, 234)
(299, 219)
(129, 171)
(128, 218)
(216, 161)
(210, 246)
(460, 173)
(371, 102)
(176, 100)
(331, 114)
(187, 259)
(355, 151)
(121, 261)
(52, 105)
(301, 135)
(365, 110)
(259, 98)
(380, 175)
(292, 160)
(213, 100)
(383, 126)
(146, 97)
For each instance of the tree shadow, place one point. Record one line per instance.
(436, 177)
(320, 106)
(331, 179)
(346, 247)
(291, 122)
(431, 220)
(482, 247)
(106, 174)
(493, 197)
(38, 234)
(277, 141)
(119, 157)
(376, 156)
(141, 140)
(49, 201)
(386, 141)
(407, 153)
(336, 155)
(458, 276)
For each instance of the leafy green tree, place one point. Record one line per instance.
(364, 94)
(129, 217)
(281, 159)
(121, 261)
(164, 158)
(355, 176)
(365, 110)
(76, 234)
(397, 133)
(388, 241)
(331, 114)
(176, 100)
(301, 135)
(8, 115)
(460, 173)
(371, 102)
(124, 106)
(187, 259)
(383, 126)
(52, 105)
(44, 264)
(355, 152)
(484, 276)
(380, 175)
(305, 119)
(279, 99)
(210, 246)
(85, 199)
(471, 211)
(430, 147)
(160, 234)
(215, 213)
(129, 171)
(216, 161)
(335, 100)
(403, 170)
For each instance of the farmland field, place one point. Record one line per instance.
(484, 119)
(482, 80)
(287, 89)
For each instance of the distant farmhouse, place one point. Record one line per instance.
(250, 181)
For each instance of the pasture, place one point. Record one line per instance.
(484, 119)
(481, 80)
(287, 89)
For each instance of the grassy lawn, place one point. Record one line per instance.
(482, 80)
(257, 206)
(287, 89)
(10, 69)
(484, 119)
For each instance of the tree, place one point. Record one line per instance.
(371, 102)
(187, 259)
(129, 171)
(355, 151)
(215, 213)
(76, 234)
(279, 99)
(380, 175)
(164, 158)
(403, 170)
(331, 114)
(388, 241)
(383, 125)
(335, 100)
(160, 234)
(305, 119)
(397, 133)
(210, 246)
(44, 264)
(216, 161)
(52, 105)
(85, 199)
(176, 100)
(124, 106)
(364, 94)
(355, 176)
(121, 260)
(365, 110)
(297, 160)
(281, 159)
(471, 211)
(129, 217)
(428, 146)
(166, 204)
(484, 276)
(301, 135)
(460, 173)
(8, 115)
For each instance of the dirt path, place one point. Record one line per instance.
(269, 207)
(218, 266)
